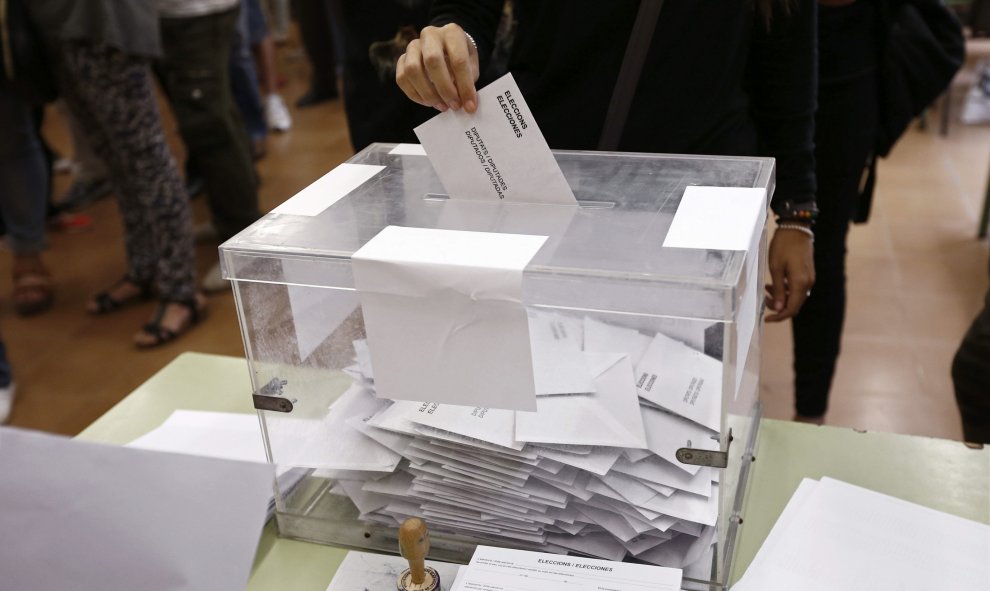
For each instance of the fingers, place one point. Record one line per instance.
(799, 284)
(435, 61)
(463, 60)
(776, 292)
(415, 74)
(439, 69)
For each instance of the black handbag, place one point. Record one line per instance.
(25, 64)
(922, 49)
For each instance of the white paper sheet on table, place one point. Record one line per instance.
(231, 436)
(361, 571)
(870, 541)
(684, 381)
(609, 417)
(497, 153)
(328, 189)
(717, 218)
(159, 520)
(498, 569)
(444, 316)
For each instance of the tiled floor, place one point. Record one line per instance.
(917, 274)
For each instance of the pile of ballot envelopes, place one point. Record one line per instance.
(592, 471)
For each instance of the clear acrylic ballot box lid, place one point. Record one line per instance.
(353, 465)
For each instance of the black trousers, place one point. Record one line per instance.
(845, 134)
(971, 377)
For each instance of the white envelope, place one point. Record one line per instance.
(684, 381)
(665, 474)
(600, 337)
(599, 461)
(666, 433)
(559, 366)
(444, 315)
(491, 425)
(687, 507)
(609, 417)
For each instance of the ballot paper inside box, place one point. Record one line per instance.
(642, 321)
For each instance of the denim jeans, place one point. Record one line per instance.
(244, 77)
(6, 377)
(23, 175)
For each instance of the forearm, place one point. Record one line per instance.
(784, 94)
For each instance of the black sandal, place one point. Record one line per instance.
(161, 334)
(106, 304)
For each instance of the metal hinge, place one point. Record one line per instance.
(269, 397)
(704, 457)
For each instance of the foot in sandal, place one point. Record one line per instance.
(171, 319)
(127, 291)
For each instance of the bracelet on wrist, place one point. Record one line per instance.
(805, 213)
(797, 228)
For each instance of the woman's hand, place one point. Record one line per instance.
(439, 69)
(792, 269)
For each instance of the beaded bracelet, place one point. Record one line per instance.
(797, 212)
(803, 229)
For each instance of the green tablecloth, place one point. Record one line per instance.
(941, 474)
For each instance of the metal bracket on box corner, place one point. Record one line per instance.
(269, 397)
(704, 457)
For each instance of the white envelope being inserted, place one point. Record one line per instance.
(496, 153)
(444, 316)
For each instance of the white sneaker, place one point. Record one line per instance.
(213, 281)
(277, 113)
(6, 401)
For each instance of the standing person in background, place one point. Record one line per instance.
(971, 377)
(263, 46)
(195, 68)
(845, 135)
(25, 85)
(101, 51)
(24, 186)
(7, 387)
(377, 33)
(751, 92)
(316, 32)
(244, 86)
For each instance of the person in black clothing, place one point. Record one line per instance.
(971, 377)
(845, 135)
(719, 78)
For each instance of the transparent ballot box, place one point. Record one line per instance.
(645, 364)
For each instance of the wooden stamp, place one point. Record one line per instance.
(414, 545)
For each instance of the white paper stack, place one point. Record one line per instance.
(592, 471)
(834, 536)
